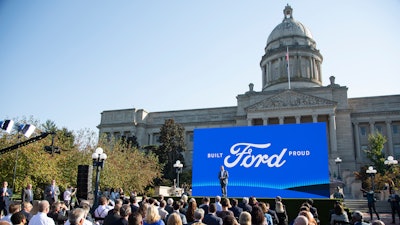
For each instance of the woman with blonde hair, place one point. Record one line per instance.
(174, 219)
(152, 216)
(309, 216)
(244, 218)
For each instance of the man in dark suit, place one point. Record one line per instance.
(245, 205)
(205, 204)
(52, 192)
(177, 205)
(134, 204)
(236, 209)
(223, 180)
(5, 196)
(211, 218)
(27, 194)
(275, 218)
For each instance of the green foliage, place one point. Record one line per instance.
(35, 166)
(385, 174)
(172, 141)
(374, 152)
(127, 167)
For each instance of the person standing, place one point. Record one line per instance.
(57, 213)
(211, 218)
(370, 195)
(52, 192)
(18, 219)
(394, 200)
(338, 193)
(5, 196)
(68, 194)
(26, 210)
(223, 180)
(27, 195)
(41, 217)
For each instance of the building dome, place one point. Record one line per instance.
(294, 39)
(289, 28)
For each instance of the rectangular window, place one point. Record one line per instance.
(363, 131)
(395, 129)
(117, 135)
(189, 136)
(156, 139)
(257, 122)
(378, 128)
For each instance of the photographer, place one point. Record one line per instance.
(68, 194)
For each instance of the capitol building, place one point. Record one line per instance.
(292, 93)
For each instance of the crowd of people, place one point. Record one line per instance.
(116, 208)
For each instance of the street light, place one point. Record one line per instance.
(178, 166)
(98, 161)
(391, 161)
(338, 161)
(371, 172)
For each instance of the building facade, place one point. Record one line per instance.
(292, 92)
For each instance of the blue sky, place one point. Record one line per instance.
(68, 61)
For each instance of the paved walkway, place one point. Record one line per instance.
(385, 217)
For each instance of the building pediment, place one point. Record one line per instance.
(290, 99)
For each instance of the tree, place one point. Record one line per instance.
(172, 141)
(376, 143)
(127, 167)
(49, 126)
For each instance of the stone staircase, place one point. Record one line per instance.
(362, 205)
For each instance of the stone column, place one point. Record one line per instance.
(264, 75)
(332, 132)
(315, 118)
(372, 127)
(249, 122)
(357, 141)
(265, 121)
(269, 78)
(298, 119)
(151, 137)
(312, 75)
(281, 120)
(389, 137)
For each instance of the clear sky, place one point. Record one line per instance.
(69, 60)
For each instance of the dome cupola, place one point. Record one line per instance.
(290, 52)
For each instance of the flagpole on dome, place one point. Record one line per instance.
(288, 67)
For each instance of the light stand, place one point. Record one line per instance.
(98, 161)
(178, 166)
(338, 161)
(371, 172)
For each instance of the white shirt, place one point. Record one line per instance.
(67, 195)
(41, 219)
(102, 211)
(219, 206)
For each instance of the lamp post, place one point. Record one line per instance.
(371, 172)
(391, 161)
(338, 161)
(98, 161)
(178, 166)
